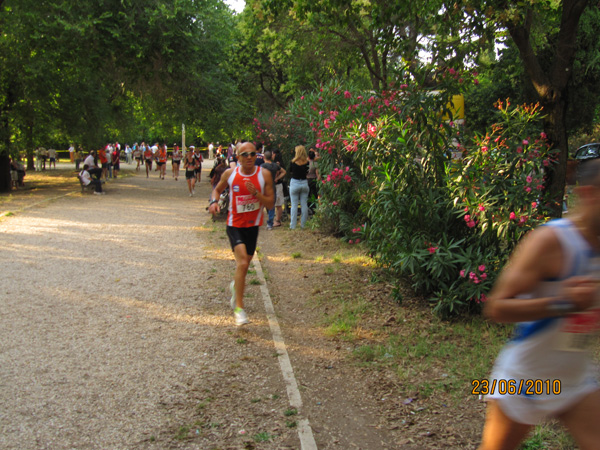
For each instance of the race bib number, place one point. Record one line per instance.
(246, 203)
(579, 331)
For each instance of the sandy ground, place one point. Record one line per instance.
(116, 333)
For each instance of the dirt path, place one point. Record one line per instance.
(116, 332)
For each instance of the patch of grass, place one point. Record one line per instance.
(337, 258)
(8, 214)
(329, 270)
(296, 255)
(291, 423)
(254, 282)
(290, 412)
(448, 355)
(183, 433)
(263, 437)
(344, 321)
(255, 400)
(204, 403)
(319, 258)
(275, 396)
(548, 435)
(241, 341)
(251, 271)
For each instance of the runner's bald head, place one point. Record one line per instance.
(246, 147)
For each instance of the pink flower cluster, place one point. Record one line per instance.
(358, 229)
(482, 298)
(475, 277)
(470, 221)
(522, 219)
(431, 249)
(337, 175)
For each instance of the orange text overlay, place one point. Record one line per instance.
(515, 387)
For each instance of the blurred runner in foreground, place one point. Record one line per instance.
(550, 287)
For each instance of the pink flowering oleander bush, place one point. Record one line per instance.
(389, 182)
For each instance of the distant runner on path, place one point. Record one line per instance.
(551, 289)
(250, 189)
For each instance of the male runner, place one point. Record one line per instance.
(551, 288)
(250, 188)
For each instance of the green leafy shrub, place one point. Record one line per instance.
(389, 180)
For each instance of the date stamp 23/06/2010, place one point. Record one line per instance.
(516, 387)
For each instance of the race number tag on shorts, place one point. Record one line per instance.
(246, 203)
(579, 331)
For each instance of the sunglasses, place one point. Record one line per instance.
(248, 154)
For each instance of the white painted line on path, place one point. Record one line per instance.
(307, 440)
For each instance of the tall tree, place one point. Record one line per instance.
(78, 70)
(387, 35)
(545, 34)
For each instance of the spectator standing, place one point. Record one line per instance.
(51, 158)
(103, 162)
(44, 155)
(279, 190)
(116, 161)
(109, 152)
(277, 173)
(78, 157)
(211, 151)
(128, 153)
(260, 158)
(299, 187)
(72, 153)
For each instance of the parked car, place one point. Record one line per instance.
(588, 151)
(584, 153)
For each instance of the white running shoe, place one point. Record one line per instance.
(241, 318)
(232, 289)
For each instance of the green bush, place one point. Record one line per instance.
(389, 181)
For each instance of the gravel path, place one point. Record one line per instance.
(115, 330)
(116, 333)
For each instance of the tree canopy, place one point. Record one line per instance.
(93, 71)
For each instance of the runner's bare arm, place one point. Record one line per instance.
(539, 257)
(216, 193)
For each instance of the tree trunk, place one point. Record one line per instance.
(5, 184)
(555, 129)
(30, 149)
(551, 86)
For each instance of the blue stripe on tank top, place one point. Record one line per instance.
(528, 329)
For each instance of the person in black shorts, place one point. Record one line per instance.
(251, 190)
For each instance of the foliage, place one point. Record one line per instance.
(389, 180)
(91, 71)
